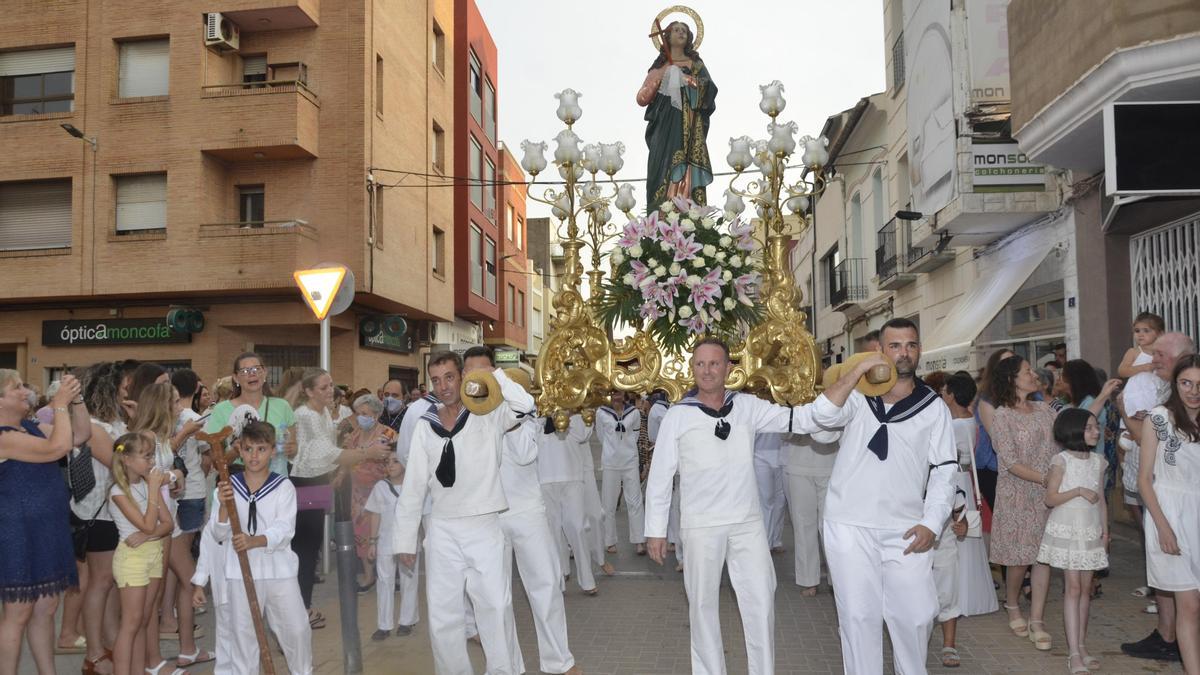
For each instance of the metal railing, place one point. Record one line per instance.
(847, 283)
(885, 250)
(257, 88)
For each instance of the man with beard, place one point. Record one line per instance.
(392, 395)
(881, 515)
(1160, 644)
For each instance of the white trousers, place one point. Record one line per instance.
(223, 644)
(673, 522)
(568, 525)
(612, 483)
(873, 583)
(772, 495)
(806, 504)
(385, 592)
(466, 554)
(743, 547)
(527, 535)
(280, 601)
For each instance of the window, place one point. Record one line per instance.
(537, 322)
(829, 265)
(145, 67)
(439, 48)
(283, 357)
(898, 63)
(378, 84)
(35, 214)
(489, 271)
(489, 111)
(475, 85)
(141, 202)
(438, 148)
(521, 308)
(511, 308)
(254, 70)
(377, 193)
(489, 188)
(520, 233)
(878, 200)
(438, 254)
(37, 81)
(510, 218)
(475, 164)
(856, 226)
(476, 246)
(251, 204)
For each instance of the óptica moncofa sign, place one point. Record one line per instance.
(88, 332)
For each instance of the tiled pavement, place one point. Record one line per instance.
(637, 625)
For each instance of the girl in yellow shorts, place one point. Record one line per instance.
(142, 519)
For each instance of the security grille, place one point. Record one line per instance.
(1165, 267)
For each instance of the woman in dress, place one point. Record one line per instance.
(1169, 484)
(679, 97)
(38, 563)
(985, 454)
(249, 388)
(367, 433)
(1023, 437)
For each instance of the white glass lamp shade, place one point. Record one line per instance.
(625, 200)
(562, 206)
(763, 159)
(772, 102)
(571, 172)
(603, 215)
(783, 141)
(611, 159)
(534, 160)
(816, 152)
(739, 156)
(591, 158)
(797, 204)
(568, 106)
(567, 148)
(734, 203)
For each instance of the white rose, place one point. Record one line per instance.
(674, 268)
(694, 213)
(736, 260)
(692, 280)
(666, 207)
(698, 263)
(726, 241)
(708, 223)
(710, 250)
(687, 226)
(666, 245)
(720, 256)
(617, 257)
(660, 271)
(730, 304)
(673, 217)
(685, 312)
(628, 279)
(635, 250)
(727, 275)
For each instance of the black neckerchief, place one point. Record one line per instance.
(922, 397)
(392, 488)
(619, 417)
(445, 469)
(242, 489)
(721, 431)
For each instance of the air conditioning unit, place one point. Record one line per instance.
(220, 33)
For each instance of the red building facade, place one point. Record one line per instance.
(512, 328)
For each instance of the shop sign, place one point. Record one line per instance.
(89, 332)
(1002, 167)
(401, 344)
(508, 357)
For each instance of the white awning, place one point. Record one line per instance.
(948, 346)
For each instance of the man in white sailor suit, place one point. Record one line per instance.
(527, 535)
(618, 426)
(709, 438)
(560, 471)
(658, 410)
(455, 456)
(889, 495)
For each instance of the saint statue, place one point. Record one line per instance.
(679, 97)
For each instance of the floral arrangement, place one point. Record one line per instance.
(684, 271)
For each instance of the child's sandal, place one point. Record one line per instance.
(950, 657)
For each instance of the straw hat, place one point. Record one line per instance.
(877, 382)
(521, 377)
(481, 392)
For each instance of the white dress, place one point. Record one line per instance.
(1177, 486)
(1073, 536)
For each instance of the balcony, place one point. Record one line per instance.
(847, 287)
(889, 266)
(925, 260)
(260, 121)
(252, 16)
(257, 255)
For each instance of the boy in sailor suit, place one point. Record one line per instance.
(658, 410)
(210, 567)
(709, 437)
(617, 426)
(381, 504)
(266, 504)
(560, 472)
(455, 456)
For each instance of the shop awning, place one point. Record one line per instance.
(948, 346)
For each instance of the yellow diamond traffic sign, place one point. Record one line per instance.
(319, 287)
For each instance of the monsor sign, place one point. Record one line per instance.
(1002, 167)
(87, 332)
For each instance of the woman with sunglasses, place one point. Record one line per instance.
(250, 388)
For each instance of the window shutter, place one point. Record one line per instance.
(144, 69)
(35, 215)
(254, 65)
(142, 202)
(37, 61)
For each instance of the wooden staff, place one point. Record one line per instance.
(664, 39)
(217, 444)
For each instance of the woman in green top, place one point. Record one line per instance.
(249, 387)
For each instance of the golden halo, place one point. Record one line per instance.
(677, 9)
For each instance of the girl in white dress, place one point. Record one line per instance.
(1169, 483)
(1077, 529)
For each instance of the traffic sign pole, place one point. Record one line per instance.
(325, 344)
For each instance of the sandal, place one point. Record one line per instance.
(1019, 626)
(79, 646)
(89, 666)
(950, 657)
(316, 620)
(195, 658)
(592, 591)
(1141, 592)
(155, 669)
(1076, 669)
(1091, 662)
(608, 569)
(612, 549)
(1039, 637)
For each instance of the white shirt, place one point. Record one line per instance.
(809, 454)
(965, 432)
(654, 419)
(478, 446)
(559, 459)
(519, 467)
(408, 425)
(139, 493)
(890, 494)
(382, 500)
(316, 443)
(275, 508)
(618, 448)
(210, 566)
(1144, 391)
(717, 485)
(195, 483)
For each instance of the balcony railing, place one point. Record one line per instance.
(847, 284)
(885, 250)
(253, 88)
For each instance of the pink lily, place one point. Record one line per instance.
(683, 204)
(695, 324)
(632, 234)
(640, 271)
(708, 289)
(744, 287)
(686, 248)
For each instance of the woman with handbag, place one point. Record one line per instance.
(318, 459)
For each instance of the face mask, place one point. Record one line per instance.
(366, 422)
(393, 405)
(31, 398)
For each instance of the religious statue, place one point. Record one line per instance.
(679, 97)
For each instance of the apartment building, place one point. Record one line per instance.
(510, 335)
(213, 150)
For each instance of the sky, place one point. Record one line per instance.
(827, 53)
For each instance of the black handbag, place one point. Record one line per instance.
(81, 476)
(79, 534)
